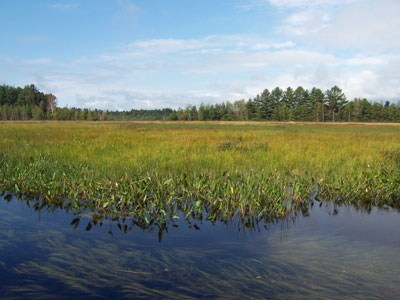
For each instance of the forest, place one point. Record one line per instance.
(298, 104)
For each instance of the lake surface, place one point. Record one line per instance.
(332, 253)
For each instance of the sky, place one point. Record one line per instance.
(145, 54)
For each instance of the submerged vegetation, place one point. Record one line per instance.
(158, 172)
(350, 255)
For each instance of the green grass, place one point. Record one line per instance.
(156, 170)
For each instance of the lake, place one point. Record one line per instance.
(334, 252)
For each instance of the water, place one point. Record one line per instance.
(334, 253)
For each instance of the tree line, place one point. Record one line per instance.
(295, 105)
(29, 103)
(298, 104)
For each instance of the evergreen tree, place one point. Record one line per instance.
(336, 99)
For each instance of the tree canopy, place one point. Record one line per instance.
(291, 104)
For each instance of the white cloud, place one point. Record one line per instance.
(362, 25)
(128, 5)
(294, 4)
(305, 22)
(159, 73)
(365, 25)
(306, 3)
(179, 45)
(360, 60)
(38, 61)
(265, 46)
(213, 45)
(63, 6)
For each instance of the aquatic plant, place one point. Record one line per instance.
(153, 170)
(328, 260)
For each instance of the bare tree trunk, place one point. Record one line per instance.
(52, 101)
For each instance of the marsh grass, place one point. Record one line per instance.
(239, 144)
(153, 170)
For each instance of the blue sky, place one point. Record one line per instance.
(123, 54)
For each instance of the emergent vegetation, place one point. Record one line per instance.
(216, 170)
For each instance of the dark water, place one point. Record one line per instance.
(326, 255)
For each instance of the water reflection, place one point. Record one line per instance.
(148, 221)
(175, 217)
(332, 251)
